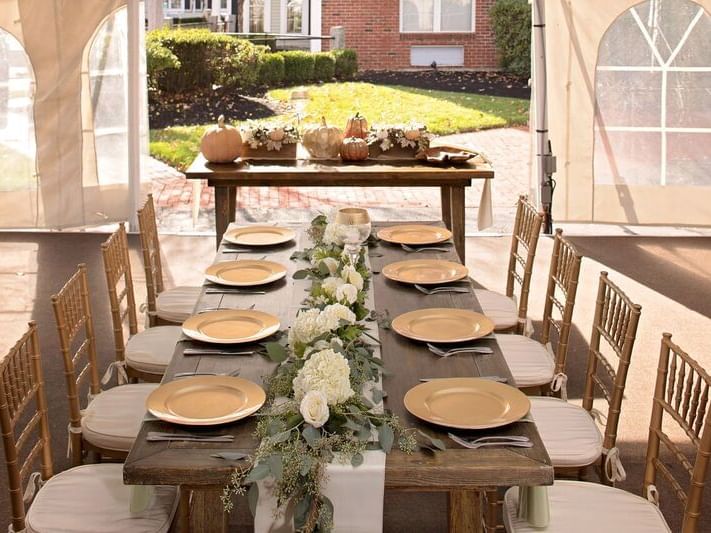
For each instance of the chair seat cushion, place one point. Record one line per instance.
(177, 304)
(152, 349)
(93, 499)
(112, 419)
(581, 507)
(498, 307)
(569, 433)
(529, 361)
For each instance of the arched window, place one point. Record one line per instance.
(653, 97)
(17, 129)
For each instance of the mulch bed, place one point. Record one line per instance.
(204, 107)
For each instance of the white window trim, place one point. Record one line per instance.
(304, 18)
(437, 21)
(267, 15)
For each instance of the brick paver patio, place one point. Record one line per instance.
(507, 148)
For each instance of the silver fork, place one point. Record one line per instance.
(437, 290)
(462, 349)
(484, 442)
(498, 379)
(424, 248)
(199, 373)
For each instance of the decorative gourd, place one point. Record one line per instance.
(221, 143)
(357, 126)
(354, 149)
(322, 140)
(412, 134)
(277, 134)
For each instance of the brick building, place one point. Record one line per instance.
(387, 34)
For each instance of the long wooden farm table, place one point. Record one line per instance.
(451, 180)
(462, 473)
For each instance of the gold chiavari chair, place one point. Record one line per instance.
(569, 432)
(146, 354)
(534, 364)
(88, 498)
(681, 395)
(164, 306)
(111, 420)
(503, 309)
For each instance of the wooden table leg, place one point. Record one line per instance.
(458, 219)
(445, 192)
(464, 511)
(225, 204)
(206, 512)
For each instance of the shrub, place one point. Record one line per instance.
(346, 63)
(298, 66)
(324, 66)
(511, 20)
(271, 69)
(158, 59)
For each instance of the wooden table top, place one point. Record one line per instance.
(329, 173)
(191, 463)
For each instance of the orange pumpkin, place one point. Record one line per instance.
(357, 126)
(354, 149)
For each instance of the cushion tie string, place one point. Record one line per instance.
(143, 308)
(11, 529)
(613, 465)
(34, 483)
(527, 324)
(598, 416)
(121, 376)
(653, 494)
(560, 384)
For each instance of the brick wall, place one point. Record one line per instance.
(373, 30)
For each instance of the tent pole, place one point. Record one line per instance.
(545, 161)
(135, 26)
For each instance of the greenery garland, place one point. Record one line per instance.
(323, 401)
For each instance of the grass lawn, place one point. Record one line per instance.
(443, 112)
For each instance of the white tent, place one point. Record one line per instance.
(628, 100)
(73, 114)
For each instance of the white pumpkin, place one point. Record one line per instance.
(323, 141)
(221, 143)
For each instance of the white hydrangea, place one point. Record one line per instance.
(313, 323)
(331, 316)
(327, 372)
(347, 293)
(352, 276)
(332, 234)
(331, 284)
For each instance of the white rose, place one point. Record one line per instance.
(351, 275)
(331, 264)
(328, 372)
(347, 292)
(314, 408)
(330, 285)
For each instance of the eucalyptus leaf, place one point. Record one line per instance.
(259, 471)
(275, 465)
(357, 459)
(323, 269)
(274, 427)
(230, 456)
(253, 498)
(386, 437)
(306, 464)
(301, 274)
(377, 395)
(311, 435)
(301, 511)
(431, 441)
(281, 437)
(276, 351)
(364, 433)
(328, 504)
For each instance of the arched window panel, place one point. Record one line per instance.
(17, 130)
(653, 97)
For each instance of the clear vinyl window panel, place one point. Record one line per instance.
(295, 16)
(653, 97)
(17, 130)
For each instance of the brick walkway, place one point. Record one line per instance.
(507, 148)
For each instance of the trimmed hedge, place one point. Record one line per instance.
(187, 60)
(346, 63)
(511, 20)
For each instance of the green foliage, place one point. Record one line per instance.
(324, 66)
(511, 20)
(271, 69)
(346, 63)
(158, 59)
(298, 66)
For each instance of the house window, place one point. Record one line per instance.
(173, 4)
(448, 16)
(294, 16)
(653, 97)
(223, 4)
(256, 16)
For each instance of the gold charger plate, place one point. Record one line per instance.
(467, 403)
(414, 234)
(425, 271)
(205, 400)
(245, 273)
(441, 324)
(259, 235)
(231, 326)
